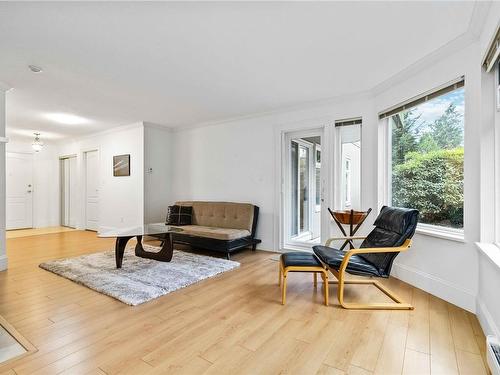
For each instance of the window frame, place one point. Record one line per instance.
(385, 175)
(336, 186)
(497, 155)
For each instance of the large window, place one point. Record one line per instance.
(427, 157)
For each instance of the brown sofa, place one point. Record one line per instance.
(220, 226)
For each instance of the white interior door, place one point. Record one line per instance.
(92, 190)
(19, 191)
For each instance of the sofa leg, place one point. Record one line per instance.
(228, 256)
(254, 247)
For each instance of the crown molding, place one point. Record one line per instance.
(152, 125)
(361, 95)
(4, 87)
(118, 128)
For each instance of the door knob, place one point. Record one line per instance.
(29, 191)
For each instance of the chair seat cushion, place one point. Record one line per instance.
(226, 234)
(356, 266)
(300, 258)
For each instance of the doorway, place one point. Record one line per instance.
(69, 191)
(303, 189)
(91, 159)
(19, 190)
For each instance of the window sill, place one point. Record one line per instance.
(444, 233)
(490, 251)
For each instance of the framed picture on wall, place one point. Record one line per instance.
(121, 165)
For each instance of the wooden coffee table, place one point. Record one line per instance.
(124, 235)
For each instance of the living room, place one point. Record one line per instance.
(118, 116)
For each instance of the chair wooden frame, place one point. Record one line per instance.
(283, 273)
(340, 274)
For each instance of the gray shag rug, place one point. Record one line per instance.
(139, 280)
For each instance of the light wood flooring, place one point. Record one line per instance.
(36, 231)
(230, 324)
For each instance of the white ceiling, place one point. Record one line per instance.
(180, 64)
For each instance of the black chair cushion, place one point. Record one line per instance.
(179, 215)
(300, 258)
(395, 219)
(357, 265)
(393, 227)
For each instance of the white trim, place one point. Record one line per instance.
(451, 234)
(425, 95)
(487, 322)
(152, 125)
(491, 252)
(435, 286)
(280, 130)
(286, 138)
(3, 262)
(101, 133)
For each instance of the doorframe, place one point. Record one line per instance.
(286, 161)
(60, 159)
(32, 159)
(84, 179)
(325, 125)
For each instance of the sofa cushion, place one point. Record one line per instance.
(179, 215)
(221, 214)
(225, 234)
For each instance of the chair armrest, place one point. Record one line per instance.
(370, 250)
(330, 240)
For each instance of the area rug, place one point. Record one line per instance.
(139, 280)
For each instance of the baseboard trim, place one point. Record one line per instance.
(3, 262)
(487, 322)
(435, 286)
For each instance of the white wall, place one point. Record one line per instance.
(488, 303)
(435, 264)
(231, 162)
(121, 198)
(157, 172)
(3, 255)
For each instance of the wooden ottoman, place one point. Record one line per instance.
(301, 262)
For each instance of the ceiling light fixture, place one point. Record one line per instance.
(66, 118)
(35, 69)
(37, 143)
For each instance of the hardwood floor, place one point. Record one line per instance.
(230, 324)
(16, 233)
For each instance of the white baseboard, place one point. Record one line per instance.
(487, 322)
(3, 262)
(436, 286)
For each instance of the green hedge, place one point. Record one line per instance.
(431, 182)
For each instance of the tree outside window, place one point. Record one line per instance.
(428, 159)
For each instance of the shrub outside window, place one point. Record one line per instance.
(427, 159)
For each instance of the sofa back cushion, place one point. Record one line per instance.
(221, 214)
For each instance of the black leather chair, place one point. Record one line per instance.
(394, 228)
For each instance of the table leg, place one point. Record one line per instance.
(121, 243)
(164, 255)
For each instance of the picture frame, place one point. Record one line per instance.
(121, 165)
